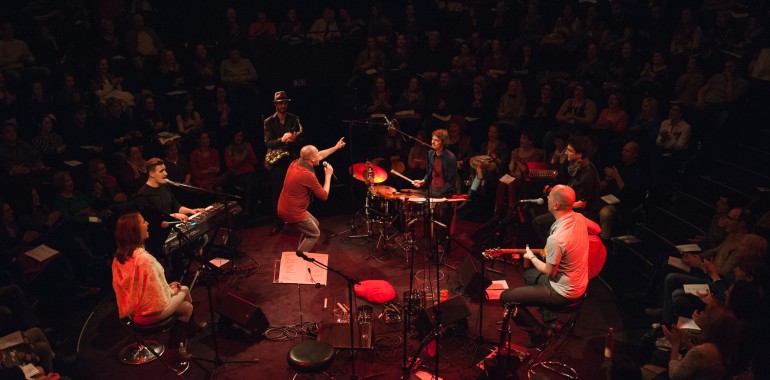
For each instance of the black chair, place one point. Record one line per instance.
(556, 340)
(310, 357)
(144, 351)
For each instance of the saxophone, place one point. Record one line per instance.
(274, 154)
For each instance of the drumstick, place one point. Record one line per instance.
(401, 175)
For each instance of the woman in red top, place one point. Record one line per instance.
(241, 163)
(204, 163)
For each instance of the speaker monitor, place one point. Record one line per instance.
(453, 310)
(243, 312)
(473, 284)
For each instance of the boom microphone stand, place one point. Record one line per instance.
(351, 282)
(437, 332)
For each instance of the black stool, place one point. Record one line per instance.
(310, 357)
(144, 351)
(561, 336)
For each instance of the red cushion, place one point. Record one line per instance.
(375, 291)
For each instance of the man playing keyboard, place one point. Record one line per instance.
(157, 205)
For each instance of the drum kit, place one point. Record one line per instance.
(391, 214)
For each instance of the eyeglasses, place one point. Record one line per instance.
(733, 219)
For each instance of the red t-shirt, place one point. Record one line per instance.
(295, 197)
(437, 179)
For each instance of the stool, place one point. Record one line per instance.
(310, 357)
(573, 310)
(144, 351)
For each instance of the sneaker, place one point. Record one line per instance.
(654, 312)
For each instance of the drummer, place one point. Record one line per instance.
(440, 180)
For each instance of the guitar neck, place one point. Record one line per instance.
(513, 251)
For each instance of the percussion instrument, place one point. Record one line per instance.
(368, 173)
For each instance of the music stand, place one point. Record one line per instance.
(350, 283)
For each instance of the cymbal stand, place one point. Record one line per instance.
(352, 225)
(365, 210)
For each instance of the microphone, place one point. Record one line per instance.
(304, 256)
(326, 164)
(165, 224)
(536, 200)
(172, 183)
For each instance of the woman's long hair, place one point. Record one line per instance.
(719, 326)
(128, 236)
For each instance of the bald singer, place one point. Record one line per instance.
(300, 184)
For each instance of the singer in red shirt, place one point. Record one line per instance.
(299, 185)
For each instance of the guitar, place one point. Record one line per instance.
(597, 254)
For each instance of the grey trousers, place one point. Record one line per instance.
(309, 227)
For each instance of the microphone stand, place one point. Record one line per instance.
(431, 220)
(351, 281)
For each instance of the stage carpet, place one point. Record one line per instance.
(286, 305)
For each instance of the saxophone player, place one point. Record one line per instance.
(283, 140)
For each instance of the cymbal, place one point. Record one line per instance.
(412, 191)
(363, 170)
(383, 191)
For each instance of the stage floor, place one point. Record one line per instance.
(103, 336)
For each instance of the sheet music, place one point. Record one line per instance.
(694, 289)
(294, 269)
(41, 253)
(678, 263)
(507, 179)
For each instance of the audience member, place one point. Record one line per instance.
(324, 29)
(205, 166)
(133, 172)
(626, 181)
(141, 39)
(508, 193)
(381, 98)
(583, 179)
